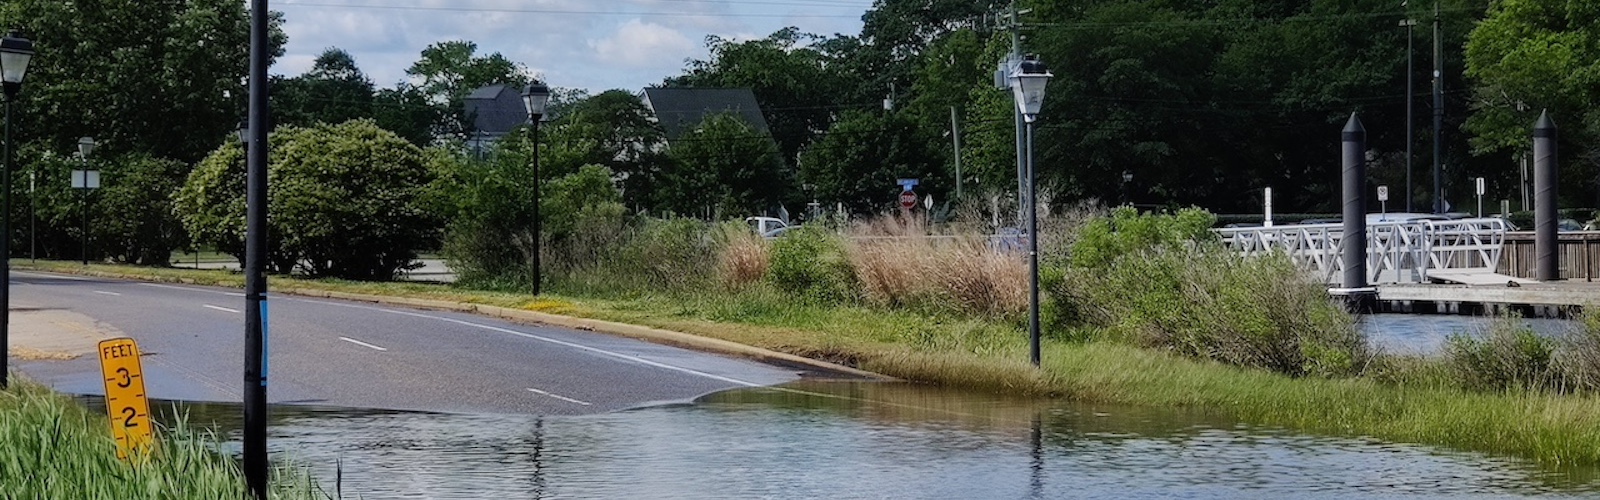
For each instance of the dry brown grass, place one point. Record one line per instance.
(744, 260)
(898, 264)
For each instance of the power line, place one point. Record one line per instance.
(568, 12)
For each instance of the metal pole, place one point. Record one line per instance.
(1438, 114)
(1016, 57)
(1354, 139)
(537, 274)
(255, 261)
(83, 207)
(955, 133)
(5, 250)
(1033, 256)
(1411, 76)
(1547, 267)
(33, 215)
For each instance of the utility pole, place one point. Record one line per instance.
(1016, 58)
(255, 261)
(1411, 76)
(955, 134)
(1438, 114)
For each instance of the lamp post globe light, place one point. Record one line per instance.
(15, 53)
(85, 180)
(1027, 85)
(536, 97)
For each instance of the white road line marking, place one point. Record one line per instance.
(113, 294)
(192, 289)
(360, 343)
(220, 308)
(563, 398)
(602, 352)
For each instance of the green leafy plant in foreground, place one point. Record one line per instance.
(55, 449)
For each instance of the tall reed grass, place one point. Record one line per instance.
(54, 449)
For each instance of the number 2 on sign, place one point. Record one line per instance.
(125, 400)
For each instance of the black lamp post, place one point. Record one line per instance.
(15, 52)
(86, 180)
(1127, 187)
(1027, 85)
(536, 97)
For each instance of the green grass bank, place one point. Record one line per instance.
(56, 449)
(1396, 399)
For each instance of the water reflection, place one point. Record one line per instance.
(867, 440)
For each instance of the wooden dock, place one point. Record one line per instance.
(1553, 299)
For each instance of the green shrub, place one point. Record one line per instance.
(1507, 355)
(812, 263)
(1105, 239)
(1207, 302)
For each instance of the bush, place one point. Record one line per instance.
(1127, 231)
(897, 265)
(812, 263)
(346, 201)
(1507, 355)
(1206, 302)
(1578, 353)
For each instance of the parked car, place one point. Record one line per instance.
(765, 225)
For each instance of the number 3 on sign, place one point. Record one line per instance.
(125, 400)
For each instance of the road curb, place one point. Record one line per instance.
(650, 334)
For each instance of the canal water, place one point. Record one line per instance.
(869, 440)
(1426, 333)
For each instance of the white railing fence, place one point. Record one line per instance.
(1397, 252)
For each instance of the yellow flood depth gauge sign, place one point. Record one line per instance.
(125, 401)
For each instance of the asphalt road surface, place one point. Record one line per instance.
(352, 354)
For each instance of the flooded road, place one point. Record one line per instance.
(870, 440)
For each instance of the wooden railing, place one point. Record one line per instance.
(1579, 253)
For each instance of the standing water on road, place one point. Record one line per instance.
(870, 440)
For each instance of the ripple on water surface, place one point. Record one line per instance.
(865, 440)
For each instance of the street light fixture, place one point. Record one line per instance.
(1127, 180)
(1027, 85)
(536, 97)
(85, 180)
(243, 134)
(15, 52)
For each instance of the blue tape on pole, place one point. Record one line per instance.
(263, 340)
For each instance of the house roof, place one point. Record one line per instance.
(496, 109)
(679, 109)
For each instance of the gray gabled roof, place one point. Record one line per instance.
(678, 109)
(495, 109)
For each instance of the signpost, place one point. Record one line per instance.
(1480, 196)
(908, 200)
(1383, 201)
(125, 399)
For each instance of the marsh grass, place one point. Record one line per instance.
(1402, 399)
(55, 449)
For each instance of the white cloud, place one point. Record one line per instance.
(638, 44)
(592, 44)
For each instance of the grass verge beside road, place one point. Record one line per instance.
(1396, 402)
(55, 449)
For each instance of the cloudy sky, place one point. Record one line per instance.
(591, 44)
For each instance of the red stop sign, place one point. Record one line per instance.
(908, 200)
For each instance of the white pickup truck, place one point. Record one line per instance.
(767, 227)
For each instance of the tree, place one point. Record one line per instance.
(613, 129)
(791, 80)
(858, 160)
(448, 71)
(333, 91)
(723, 167)
(1529, 56)
(347, 201)
(161, 78)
